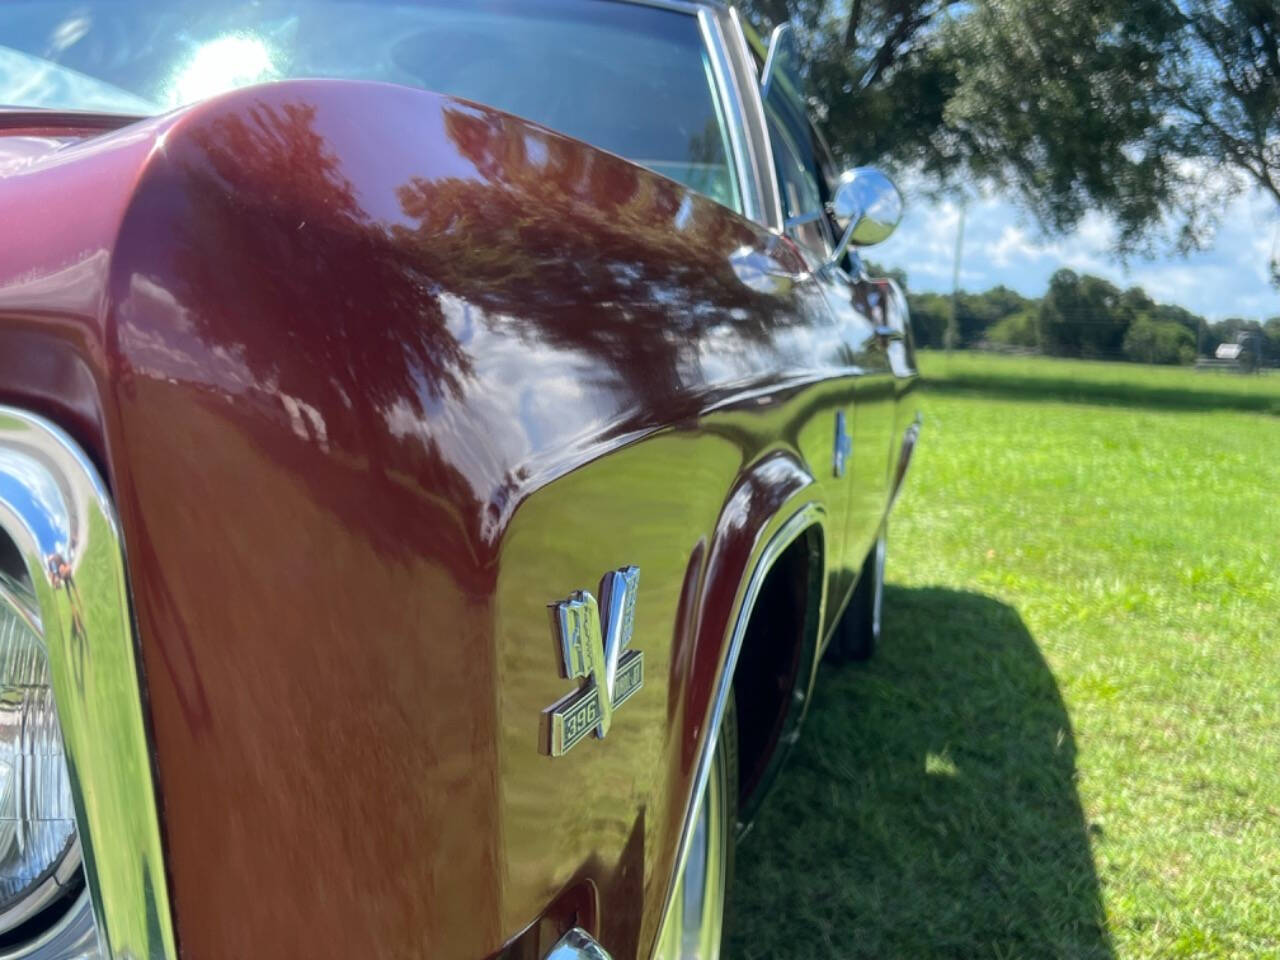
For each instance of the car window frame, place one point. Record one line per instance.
(739, 96)
(791, 224)
(754, 50)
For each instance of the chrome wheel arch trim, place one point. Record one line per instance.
(715, 831)
(55, 509)
(877, 597)
(783, 529)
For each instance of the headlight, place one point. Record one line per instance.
(39, 852)
(77, 778)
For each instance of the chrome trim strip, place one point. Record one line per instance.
(680, 6)
(808, 515)
(754, 105)
(766, 72)
(730, 95)
(801, 219)
(55, 508)
(910, 436)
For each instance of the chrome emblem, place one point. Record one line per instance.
(843, 446)
(594, 649)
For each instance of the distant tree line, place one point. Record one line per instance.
(1079, 316)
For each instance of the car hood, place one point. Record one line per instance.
(18, 151)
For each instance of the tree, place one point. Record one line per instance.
(1179, 315)
(1220, 85)
(1080, 316)
(976, 313)
(1153, 112)
(897, 274)
(1271, 337)
(1019, 329)
(1159, 341)
(930, 314)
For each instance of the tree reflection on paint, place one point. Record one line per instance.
(582, 271)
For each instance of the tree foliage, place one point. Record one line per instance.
(1082, 316)
(1159, 341)
(1220, 85)
(1018, 329)
(930, 315)
(1153, 112)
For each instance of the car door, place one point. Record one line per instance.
(873, 327)
(862, 426)
(831, 428)
(859, 306)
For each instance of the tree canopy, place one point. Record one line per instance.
(1154, 112)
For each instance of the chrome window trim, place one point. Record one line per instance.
(748, 87)
(766, 72)
(726, 65)
(680, 6)
(56, 510)
(730, 96)
(801, 518)
(801, 219)
(771, 189)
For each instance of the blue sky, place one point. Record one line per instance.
(1003, 245)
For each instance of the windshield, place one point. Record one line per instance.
(632, 79)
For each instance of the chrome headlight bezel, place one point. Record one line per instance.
(41, 903)
(55, 511)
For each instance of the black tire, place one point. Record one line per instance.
(858, 632)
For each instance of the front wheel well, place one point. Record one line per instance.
(771, 683)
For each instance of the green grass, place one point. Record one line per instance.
(1069, 743)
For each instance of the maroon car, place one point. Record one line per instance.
(438, 443)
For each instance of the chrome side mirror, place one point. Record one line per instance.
(867, 205)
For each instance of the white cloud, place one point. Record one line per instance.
(1014, 244)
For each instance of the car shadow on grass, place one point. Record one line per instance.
(930, 809)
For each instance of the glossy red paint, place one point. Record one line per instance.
(375, 376)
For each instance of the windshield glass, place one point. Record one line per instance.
(635, 80)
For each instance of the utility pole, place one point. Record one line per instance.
(953, 328)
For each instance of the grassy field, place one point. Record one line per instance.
(1069, 743)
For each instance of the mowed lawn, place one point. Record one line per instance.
(1069, 742)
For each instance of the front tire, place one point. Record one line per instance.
(858, 633)
(694, 926)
